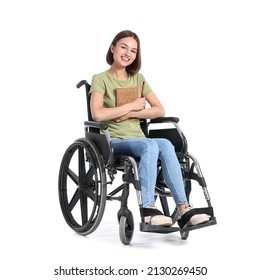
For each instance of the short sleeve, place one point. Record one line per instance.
(97, 84)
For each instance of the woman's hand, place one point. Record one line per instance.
(138, 104)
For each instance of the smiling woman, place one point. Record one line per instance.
(124, 54)
(127, 47)
(131, 49)
(124, 57)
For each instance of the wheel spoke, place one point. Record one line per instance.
(84, 208)
(88, 192)
(74, 200)
(81, 163)
(73, 176)
(87, 177)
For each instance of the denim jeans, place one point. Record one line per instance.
(149, 151)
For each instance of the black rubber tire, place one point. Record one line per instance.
(184, 235)
(126, 229)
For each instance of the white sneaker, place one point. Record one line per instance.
(159, 220)
(194, 220)
(198, 219)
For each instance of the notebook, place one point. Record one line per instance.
(126, 95)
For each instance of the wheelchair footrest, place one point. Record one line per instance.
(145, 227)
(211, 222)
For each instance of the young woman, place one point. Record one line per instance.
(124, 57)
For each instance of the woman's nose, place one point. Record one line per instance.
(127, 52)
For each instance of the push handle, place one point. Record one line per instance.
(81, 83)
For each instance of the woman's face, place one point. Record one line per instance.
(125, 51)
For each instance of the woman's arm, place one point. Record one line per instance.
(155, 111)
(100, 113)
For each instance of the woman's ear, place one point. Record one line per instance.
(112, 48)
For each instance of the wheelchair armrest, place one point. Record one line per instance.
(165, 120)
(99, 125)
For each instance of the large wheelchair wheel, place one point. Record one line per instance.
(82, 186)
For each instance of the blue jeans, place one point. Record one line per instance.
(149, 151)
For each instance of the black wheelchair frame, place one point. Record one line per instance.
(89, 161)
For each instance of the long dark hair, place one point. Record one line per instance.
(136, 65)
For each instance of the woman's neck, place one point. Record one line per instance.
(119, 74)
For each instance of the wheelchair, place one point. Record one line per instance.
(89, 167)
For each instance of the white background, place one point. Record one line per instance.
(200, 57)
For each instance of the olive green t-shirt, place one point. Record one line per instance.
(106, 84)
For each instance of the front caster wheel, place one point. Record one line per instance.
(126, 229)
